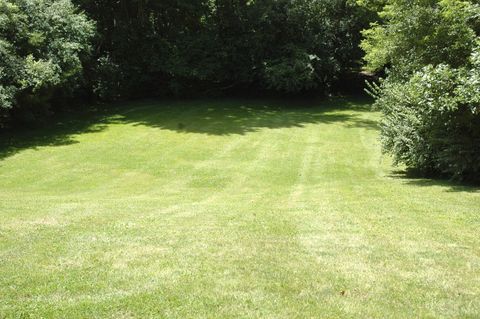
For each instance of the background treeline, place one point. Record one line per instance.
(52, 50)
(185, 46)
(55, 54)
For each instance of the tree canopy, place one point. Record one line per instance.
(42, 46)
(177, 46)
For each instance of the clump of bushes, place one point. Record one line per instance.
(430, 98)
(432, 121)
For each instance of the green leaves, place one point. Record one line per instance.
(39, 73)
(412, 34)
(291, 74)
(431, 96)
(431, 122)
(188, 46)
(42, 43)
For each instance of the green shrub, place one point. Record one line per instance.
(430, 96)
(432, 121)
(291, 74)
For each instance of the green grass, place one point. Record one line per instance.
(226, 209)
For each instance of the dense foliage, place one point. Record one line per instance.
(415, 33)
(42, 44)
(180, 46)
(430, 98)
(49, 48)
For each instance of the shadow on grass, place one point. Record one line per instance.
(212, 117)
(241, 117)
(60, 132)
(411, 177)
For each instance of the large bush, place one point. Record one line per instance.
(430, 97)
(42, 43)
(432, 121)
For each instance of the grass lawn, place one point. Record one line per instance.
(226, 209)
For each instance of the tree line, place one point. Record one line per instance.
(56, 54)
